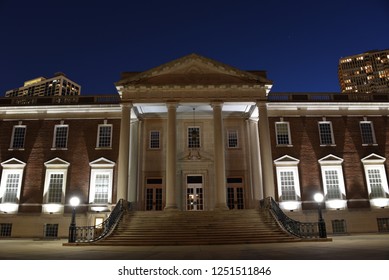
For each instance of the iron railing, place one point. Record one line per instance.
(296, 228)
(87, 234)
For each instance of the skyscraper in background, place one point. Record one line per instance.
(365, 73)
(59, 85)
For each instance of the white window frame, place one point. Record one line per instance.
(374, 141)
(188, 134)
(56, 127)
(151, 139)
(332, 133)
(376, 162)
(54, 166)
(11, 166)
(232, 134)
(11, 146)
(333, 163)
(100, 166)
(288, 164)
(289, 144)
(98, 142)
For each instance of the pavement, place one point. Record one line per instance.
(347, 247)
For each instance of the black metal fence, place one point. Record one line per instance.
(94, 233)
(299, 229)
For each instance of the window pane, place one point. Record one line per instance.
(282, 133)
(232, 139)
(18, 137)
(367, 133)
(11, 188)
(193, 137)
(377, 190)
(61, 135)
(105, 136)
(325, 131)
(332, 184)
(287, 185)
(101, 188)
(154, 140)
(55, 188)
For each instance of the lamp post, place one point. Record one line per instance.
(322, 225)
(74, 202)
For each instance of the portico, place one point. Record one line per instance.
(187, 110)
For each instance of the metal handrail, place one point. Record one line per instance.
(296, 228)
(88, 234)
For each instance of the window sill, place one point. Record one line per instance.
(103, 148)
(16, 149)
(369, 145)
(284, 145)
(327, 145)
(59, 149)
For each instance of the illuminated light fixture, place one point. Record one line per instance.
(52, 208)
(74, 202)
(319, 197)
(9, 208)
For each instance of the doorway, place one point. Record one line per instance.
(153, 192)
(194, 193)
(235, 195)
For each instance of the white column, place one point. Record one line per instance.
(133, 163)
(220, 165)
(124, 152)
(265, 151)
(255, 164)
(171, 152)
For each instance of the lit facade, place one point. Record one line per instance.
(365, 73)
(59, 85)
(193, 135)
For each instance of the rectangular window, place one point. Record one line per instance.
(11, 188)
(102, 183)
(326, 135)
(60, 136)
(154, 142)
(55, 188)
(5, 230)
(193, 137)
(375, 182)
(51, 230)
(287, 185)
(367, 133)
(104, 137)
(332, 184)
(338, 226)
(18, 135)
(283, 133)
(232, 139)
(383, 224)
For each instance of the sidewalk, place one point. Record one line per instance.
(350, 247)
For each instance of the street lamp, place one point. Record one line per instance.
(74, 202)
(322, 225)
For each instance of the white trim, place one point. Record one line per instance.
(98, 136)
(100, 166)
(289, 135)
(54, 147)
(320, 133)
(376, 162)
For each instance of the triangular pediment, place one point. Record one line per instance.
(57, 162)
(193, 69)
(13, 163)
(102, 163)
(373, 158)
(330, 160)
(286, 160)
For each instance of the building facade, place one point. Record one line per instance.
(365, 73)
(193, 135)
(59, 85)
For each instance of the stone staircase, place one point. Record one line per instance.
(145, 228)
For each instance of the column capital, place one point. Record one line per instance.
(126, 104)
(216, 103)
(171, 104)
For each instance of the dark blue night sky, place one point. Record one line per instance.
(298, 43)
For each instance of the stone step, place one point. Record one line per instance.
(196, 228)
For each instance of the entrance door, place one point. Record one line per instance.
(153, 199)
(235, 197)
(194, 193)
